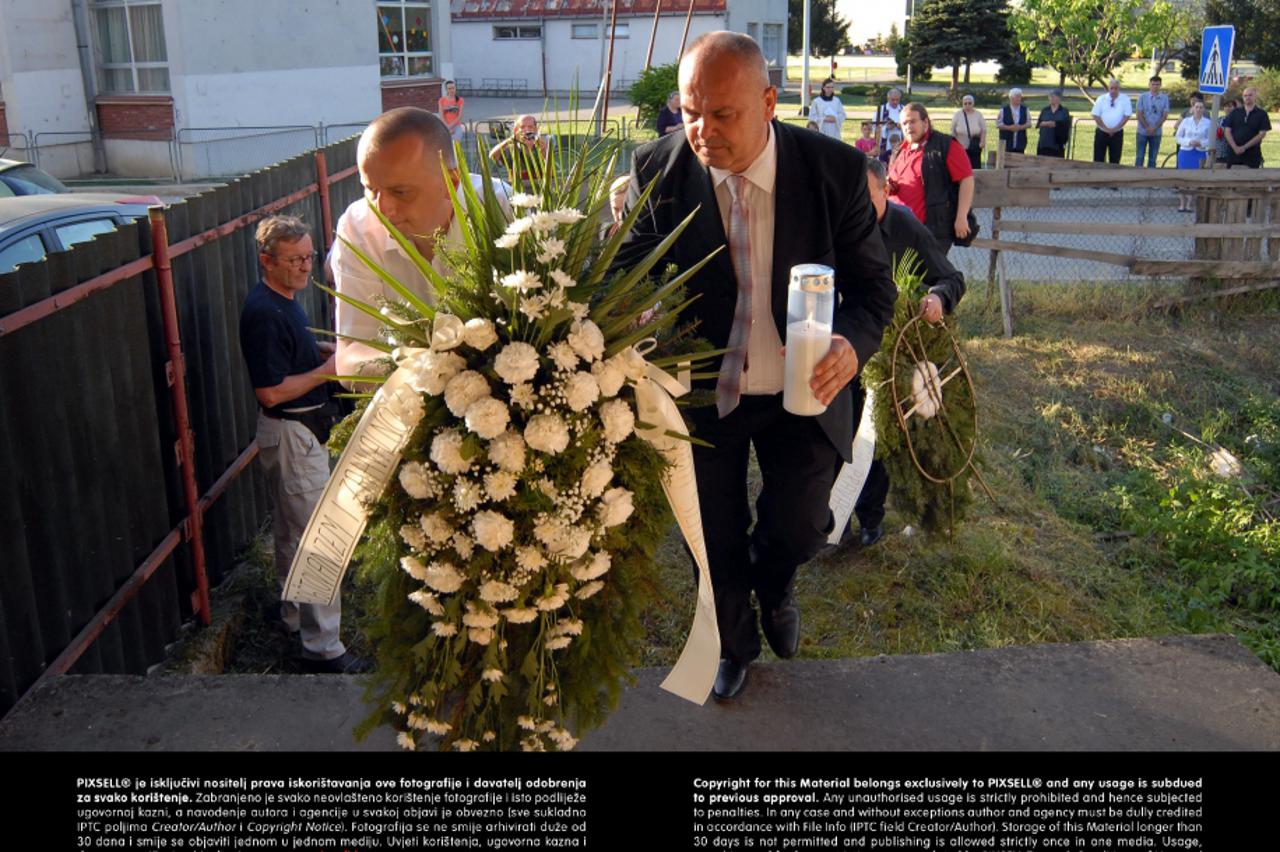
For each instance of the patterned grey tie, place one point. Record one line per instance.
(729, 384)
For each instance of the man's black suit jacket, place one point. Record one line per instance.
(822, 214)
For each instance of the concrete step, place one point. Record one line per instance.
(1182, 693)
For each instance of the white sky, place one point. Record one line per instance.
(868, 17)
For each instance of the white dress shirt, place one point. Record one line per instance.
(1189, 129)
(764, 348)
(359, 226)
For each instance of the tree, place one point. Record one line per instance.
(895, 37)
(956, 33)
(1085, 40)
(1257, 24)
(828, 31)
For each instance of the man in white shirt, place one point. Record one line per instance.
(1110, 112)
(407, 163)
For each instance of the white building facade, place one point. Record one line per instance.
(556, 46)
(169, 84)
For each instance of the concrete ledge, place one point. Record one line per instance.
(1184, 693)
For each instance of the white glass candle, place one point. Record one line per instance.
(810, 308)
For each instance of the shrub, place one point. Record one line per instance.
(1268, 83)
(650, 90)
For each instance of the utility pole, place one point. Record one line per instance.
(804, 85)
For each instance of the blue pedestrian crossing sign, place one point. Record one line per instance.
(1215, 58)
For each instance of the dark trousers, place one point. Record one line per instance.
(1051, 152)
(870, 505)
(793, 516)
(1107, 146)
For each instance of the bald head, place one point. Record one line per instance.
(725, 46)
(393, 125)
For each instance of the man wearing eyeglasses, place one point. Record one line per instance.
(288, 368)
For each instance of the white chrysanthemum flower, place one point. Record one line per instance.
(467, 494)
(589, 589)
(579, 310)
(446, 452)
(563, 739)
(413, 567)
(577, 541)
(533, 307)
(444, 629)
(443, 577)
(547, 487)
(554, 299)
(489, 736)
(480, 635)
(405, 740)
(465, 745)
(587, 340)
(528, 723)
(563, 355)
(487, 417)
(404, 404)
(399, 708)
(589, 569)
(427, 601)
(562, 279)
(415, 479)
(516, 363)
(559, 643)
(596, 478)
(544, 222)
(551, 700)
(551, 249)
(529, 558)
(438, 728)
(463, 544)
(520, 615)
(520, 226)
(567, 215)
(492, 675)
(463, 389)
(554, 599)
(507, 451)
(500, 485)
(479, 334)
(446, 332)
(550, 531)
(436, 527)
(580, 391)
(507, 241)
(522, 281)
(477, 617)
(567, 627)
(430, 371)
(524, 199)
(417, 721)
(615, 507)
(547, 433)
(609, 377)
(496, 591)
(412, 536)
(523, 395)
(617, 419)
(493, 532)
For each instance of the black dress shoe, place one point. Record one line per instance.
(730, 678)
(781, 627)
(348, 663)
(870, 536)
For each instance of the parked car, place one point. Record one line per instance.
(19, 178)
(32, 226)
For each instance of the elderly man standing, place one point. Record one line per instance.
(779, 196)
(407, 163)
(889, 120)
(1110, 113)
(931, 176)
(901, 231)
(1245, 128)
(1153, 109)
(289, 369)
(1013, 124)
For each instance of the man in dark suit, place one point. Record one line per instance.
(777, 196)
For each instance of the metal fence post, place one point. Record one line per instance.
(181, 414)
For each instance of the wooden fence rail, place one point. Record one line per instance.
(94, 576)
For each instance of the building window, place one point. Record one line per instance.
(130, 44)
(772, 47)
(513, 31)
(404, 40)
(753, 31)
(586, 30)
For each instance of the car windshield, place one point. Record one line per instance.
(28, 180)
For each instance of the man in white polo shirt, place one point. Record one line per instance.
(400, 165)
(1110, 112)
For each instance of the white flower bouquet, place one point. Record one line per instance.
(511, 552)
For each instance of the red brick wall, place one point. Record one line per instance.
(135, 117)
(419, 93)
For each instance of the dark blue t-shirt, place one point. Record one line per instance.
(276, 343)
